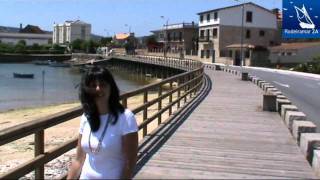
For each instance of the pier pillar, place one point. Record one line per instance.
(269, 102)
(309, 142)
(294, 116)
(300, 127)
(287, 107)
(244, 76)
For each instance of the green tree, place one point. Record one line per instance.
(20, 47)
(78, 44)
(105, 41)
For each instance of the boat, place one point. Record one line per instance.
(41, 63)
(59, 64)
(19, 75)
(304, 18)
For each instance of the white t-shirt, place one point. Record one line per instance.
(108, 162)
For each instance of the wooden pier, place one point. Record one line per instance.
(228, 136)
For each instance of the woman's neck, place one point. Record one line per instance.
(103, 108)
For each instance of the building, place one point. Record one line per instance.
(122, 37)
(220, 38)
(30, 34)
(71, 30)
(177, 38)
(294, 53)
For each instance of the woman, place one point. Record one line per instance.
(108, 139)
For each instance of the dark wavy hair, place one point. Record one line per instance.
(87, 98)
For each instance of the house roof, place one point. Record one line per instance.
(122, 36)
(294, 46)
(177, 26)
(239, 5)
(32, 29)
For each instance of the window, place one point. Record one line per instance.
(283, 54)
(208, 17)
(161, 36)
(215, 15)
(289, 53)
(230, 53)
(223, 53)
(180, 36)
(249, 16)
(248, 34)
(201, 18)
(215, 32)
(261, 33)
(174, 36)
(202, 53)
(201, 33)
(169, 36)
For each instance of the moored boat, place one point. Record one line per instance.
(19, 75)
(41, 63)
(58, 64)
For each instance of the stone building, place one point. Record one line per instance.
(178, 38)
(220, 38)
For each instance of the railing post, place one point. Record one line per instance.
(145, 113)
(179, 93)
(125, 103)
(160, 104)
(185, 88)
(38, 150)
(170, 99)
(191, 84)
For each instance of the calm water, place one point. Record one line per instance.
(60, 85)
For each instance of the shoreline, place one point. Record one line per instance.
(22, 150)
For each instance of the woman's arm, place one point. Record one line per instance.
(130, 151)
(75, 169)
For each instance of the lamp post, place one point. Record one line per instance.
(165, 37)
(126, 25)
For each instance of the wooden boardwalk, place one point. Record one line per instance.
(229, 136)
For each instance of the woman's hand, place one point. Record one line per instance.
(76, 166)
(130, 151)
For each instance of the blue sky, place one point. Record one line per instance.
(111, 16)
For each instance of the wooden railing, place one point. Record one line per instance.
(182, 88)
(172, 62)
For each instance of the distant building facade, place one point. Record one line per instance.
(177, 38)
(30, 34)
(220, 33)
(71, 30)
(293, 53)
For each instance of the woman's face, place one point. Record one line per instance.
(101, 90)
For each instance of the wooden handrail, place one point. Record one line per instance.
(190, 82)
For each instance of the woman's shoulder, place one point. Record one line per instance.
(127, 113)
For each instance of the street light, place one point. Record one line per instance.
(126, 25)
(165, 37)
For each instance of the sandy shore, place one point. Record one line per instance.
(22, 150)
